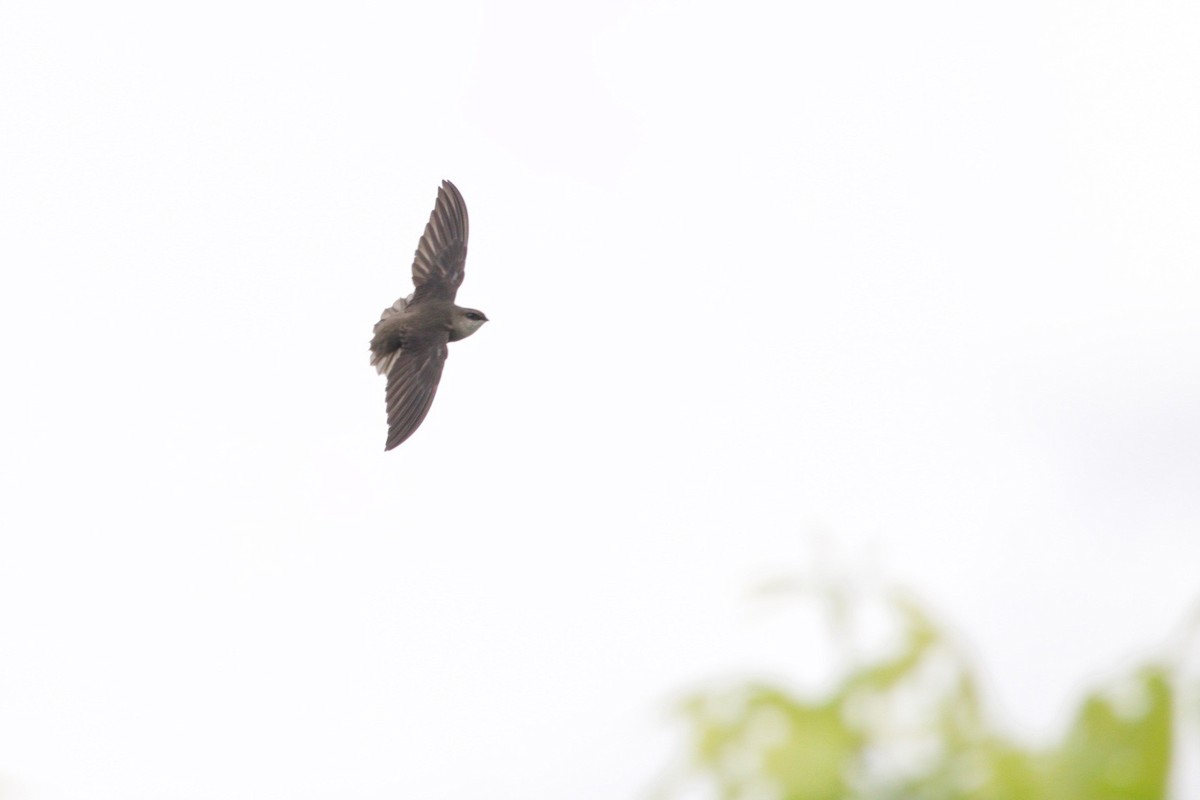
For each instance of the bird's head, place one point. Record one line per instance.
(465, 322)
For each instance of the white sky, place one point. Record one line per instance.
(920, 281)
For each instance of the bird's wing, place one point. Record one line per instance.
(412, 382)
(442, 252)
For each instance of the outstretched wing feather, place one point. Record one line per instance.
(412, 383)
(440, 261)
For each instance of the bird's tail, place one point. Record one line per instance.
(381, 357)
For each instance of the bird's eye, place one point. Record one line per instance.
(473, 316)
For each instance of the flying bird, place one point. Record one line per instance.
(409, 345)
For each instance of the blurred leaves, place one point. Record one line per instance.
(912, 726)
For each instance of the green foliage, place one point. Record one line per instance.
(911, 726)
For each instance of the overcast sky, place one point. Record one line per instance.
(913, 284)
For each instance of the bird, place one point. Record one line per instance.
(409, 342)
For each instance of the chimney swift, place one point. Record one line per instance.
(409, 345)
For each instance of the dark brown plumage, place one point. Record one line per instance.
(409, 345)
